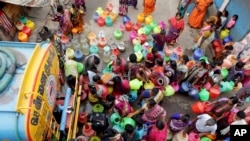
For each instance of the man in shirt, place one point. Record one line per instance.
(203, 124)
(243, 94)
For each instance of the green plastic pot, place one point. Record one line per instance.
(153, 24)
(224, 73)
(205, 139)
(80, 67)
(95, 138)
(204, 95)
(137, 48)
(169, 90)
(126, 120)
(117, 34)
(115, 119)
(147, 29)
(98, 108)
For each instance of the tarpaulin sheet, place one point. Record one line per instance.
(30, 3)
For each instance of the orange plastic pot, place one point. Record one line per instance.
(140, 18)
(214, 91)
(23, 37)
(83, 117)
(74, 31)
(198, 108)
(190, 64)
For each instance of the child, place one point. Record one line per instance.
(232, 22)
(223, 19)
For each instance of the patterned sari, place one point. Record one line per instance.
(123, 7)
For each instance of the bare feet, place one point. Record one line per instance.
(135, 8)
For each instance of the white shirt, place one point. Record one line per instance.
(91, 74)
(201, 124)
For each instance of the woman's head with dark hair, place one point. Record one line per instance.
(159, 124)
(159, 61)
(132, 58)
(185, 59)
(229, 47)
(163, 32)
(235, 17)
(219, 62)
(110, 98)
(96, 60)
(233, 100)
(203, 63)
(155, 91)
(154, 50)
(173, 64)
(240, 65)
(219, 14)
(225, 13)
(151, 103)
(60, 9)
(96, 78)
(71, 80)
(118, 61)
(117, 80)
(185, 118)
(129, 129)
(178, 16)
(109, 133)
(241, 115)
(217, 71)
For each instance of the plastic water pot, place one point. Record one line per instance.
(153, 24)
(115, 119)
(99, 10)
(95, 138)
(106, 54)
(224, 73)
(162, 24)
(128, 26)
(115, 52)
(100, 21)
(190, 64)
(139, 56)
(193, 137)
(214, 91)
(148, 19)
(117, 34)
(70, 53)
(169, 90)
(198, 107)
(147, 29)
(141, 31)
(193, 93)
(198, 53)
(125, 19)
(204, 94)
(125, 85)
(178, 50)
(126, 120)
(175, 85)
(132, 97)
(93, 50)
(149, 85)
(23, 19)
(137, 48)
(23, 37)
(224, 33)
(157, 30)
(118, 128)
(140, 18)
(87, 130)
(83, 117)
(185, 87)
(227, 63)
(108, 21)
(135, 84)
(95, 16)
(78, 55)
(207, 85)
(136, 41)
(143, 38)
(30, 24)
(205, 139)
(227, 39)
(132, 35)
(174, 57)
(26, 30)
(136, 26)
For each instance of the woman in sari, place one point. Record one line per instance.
(76, 17)
(158, 132)
(199, 12)
(123, 7)
(63, 17)
(148, 7)
(151, 112)
(176, 27)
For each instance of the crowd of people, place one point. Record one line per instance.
(112, 89)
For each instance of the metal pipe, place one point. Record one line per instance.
(224, 5)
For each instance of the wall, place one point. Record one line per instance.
(240, 7)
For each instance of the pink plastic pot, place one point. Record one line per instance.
(176, 86)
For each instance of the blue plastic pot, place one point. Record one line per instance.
(132, 97)
(198, 53)
(125, 19)
(185, 87)
(78, 55)
(227, 39)
(174, 57)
